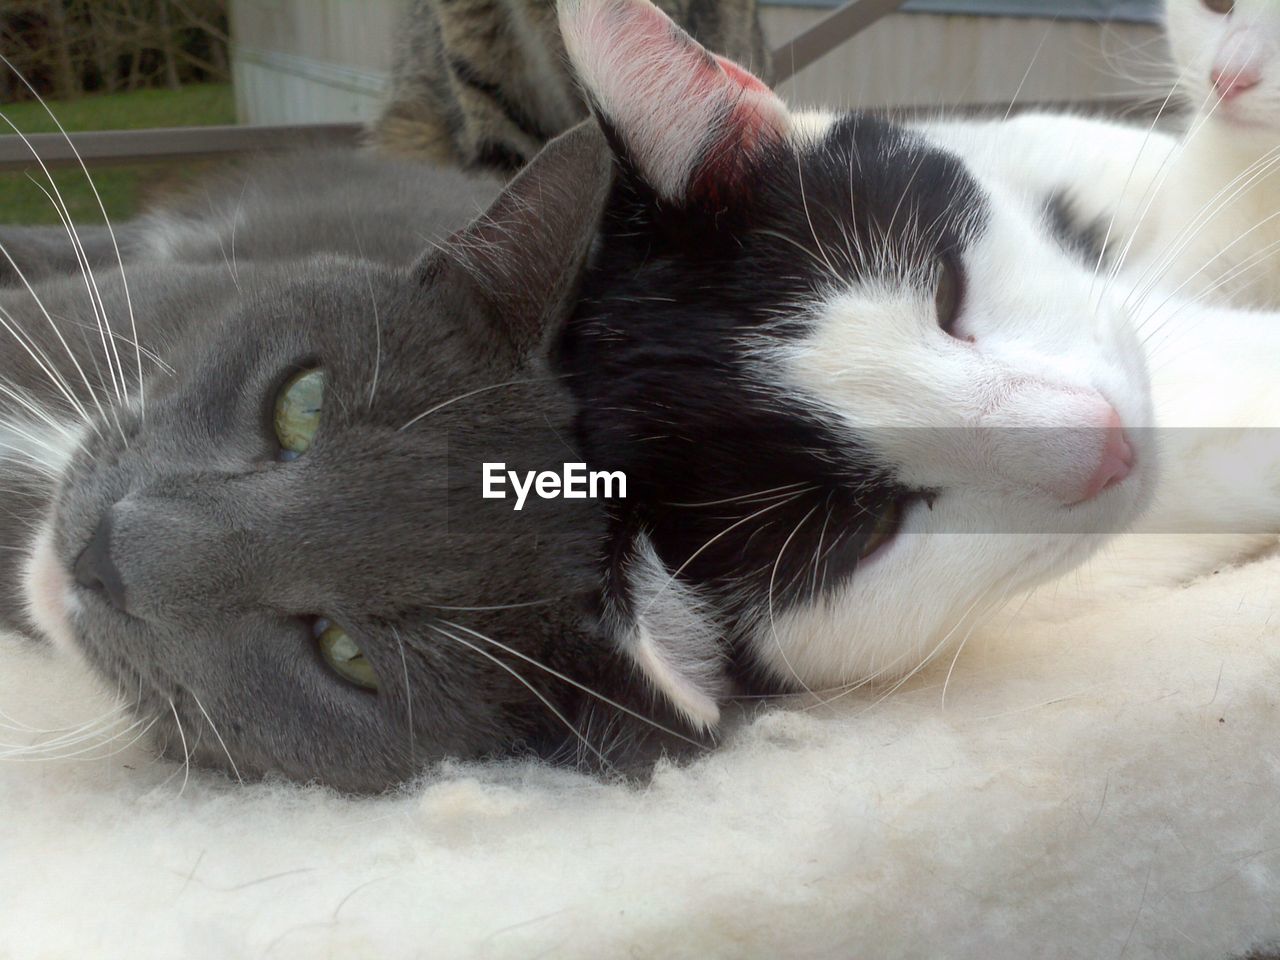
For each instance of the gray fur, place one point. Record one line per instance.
(224, 553)
(484, 84)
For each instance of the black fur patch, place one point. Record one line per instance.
(1085, 240)
(752, 495)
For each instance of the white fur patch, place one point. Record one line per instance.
(673, 639)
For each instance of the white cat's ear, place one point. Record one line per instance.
(663, 626)
(687, 120)
(525, 255)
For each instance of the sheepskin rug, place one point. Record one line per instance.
(1097, 774)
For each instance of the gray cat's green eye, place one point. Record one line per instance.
(297, 413)
(341, 653)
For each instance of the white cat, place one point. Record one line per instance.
(1216, 222)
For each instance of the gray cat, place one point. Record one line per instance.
(265, 524)
(483, 84)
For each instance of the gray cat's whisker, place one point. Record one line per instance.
(468, 395)
(95, 296)
(595, 694)
(186, 752)
(46, 366)
(604, 761)
(214, 727)
(492, 607)
(408, 699)
(107, 220)
(91, 285)
(40, 755)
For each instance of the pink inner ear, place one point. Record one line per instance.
(690, 119)
(744, 78)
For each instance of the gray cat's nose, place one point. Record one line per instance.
(94, 569)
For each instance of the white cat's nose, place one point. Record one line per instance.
(1230, 82)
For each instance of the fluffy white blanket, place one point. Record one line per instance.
(1097, 778)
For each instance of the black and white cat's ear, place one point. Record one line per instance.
(661, 624)
(526, 253)
(687, 120)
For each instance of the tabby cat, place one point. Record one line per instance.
(483, 84)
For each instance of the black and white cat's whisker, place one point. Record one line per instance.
(974, 624)
(672, 578)
(594, 694)
(1146, 200)
(1226, 279)
(1158, 182)
(1208, 294)
(775, 493)
(106, 220)
(1223, 198)
(519, 678)
(214, 728)
(769, 597)
(1026, 74)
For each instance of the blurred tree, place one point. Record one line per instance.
(65, 47)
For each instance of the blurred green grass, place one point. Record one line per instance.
(123, 188)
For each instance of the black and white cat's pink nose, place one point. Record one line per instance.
(1067, 443)
(1230, 82)
(1116, 462)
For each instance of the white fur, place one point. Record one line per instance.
(1099, 779)
(673, 639)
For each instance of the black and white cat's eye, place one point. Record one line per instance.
(1220, 6)
(947, 296)
(884, 527)
(297, 413)
(343, 655)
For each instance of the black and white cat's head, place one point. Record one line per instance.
(283, 556)
(860, 390)
(1227, 54)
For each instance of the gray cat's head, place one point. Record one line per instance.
(281, 551)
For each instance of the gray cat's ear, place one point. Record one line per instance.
(527, 252)
(689, 121)
(669, 633)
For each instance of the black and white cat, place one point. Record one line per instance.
(866, 382)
